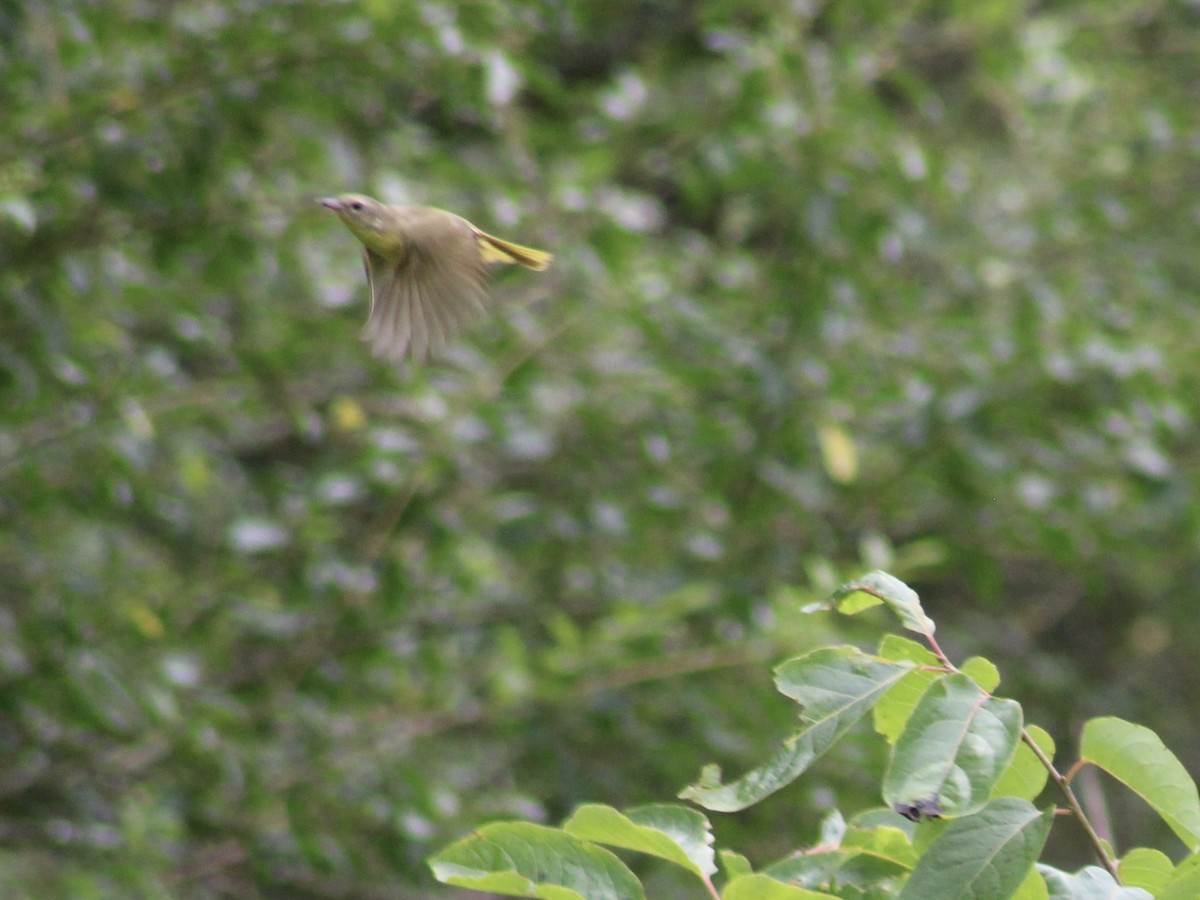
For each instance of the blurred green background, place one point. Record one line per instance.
(838, 286)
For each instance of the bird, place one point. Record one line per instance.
(427, 270)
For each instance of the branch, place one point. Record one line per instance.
(1073, 805)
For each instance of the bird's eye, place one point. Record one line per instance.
(356, 205)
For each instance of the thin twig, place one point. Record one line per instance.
(941, 655)
(1073, 805)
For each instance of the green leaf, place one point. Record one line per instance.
(879, 856)
(1096, 882)
(1148, 868)
(763, 887)
(894, 707)
(833, 828)
(1135, 755)
(983, 672)
(1058, 883)
(1091, 883)
(956, 744)
(985, 856)
(734, 865)
(1033, 887)
(811, 869)
(1026, 776)
(674, 833)
(883, 817)
(836, 686)
(880, 587)
(1184, 882)
(926, 832)
(520, 859)
(869, 858)
(897, 647)
(887, 843)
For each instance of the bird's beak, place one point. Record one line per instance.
(331, 203)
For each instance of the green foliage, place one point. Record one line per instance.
(985, 855)
(836, 687)
(673, 833)
(952, 768)
(954, 747)
(524, 860)
(1136, 756)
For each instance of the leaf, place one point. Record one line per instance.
(880, 587)
(956, 744)
(1033, 887)
(674, 833)
(1026, 776)
(833, 828)
(763, 887)
(1058, 883)
(985, 856)
(894, 707)
(1091, 883)
(869, 858)
(810, 869)
(983, 672)
(1136, 756)
(836, 686)
(734, 865)
(885, 842)
(883, 817)
(880, 856)
(1094, 882)
(926, 832)
(1147, 868)
(520, 859)
(1184, 883)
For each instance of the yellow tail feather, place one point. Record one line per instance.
(495, 250)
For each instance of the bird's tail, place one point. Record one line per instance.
(495, 250)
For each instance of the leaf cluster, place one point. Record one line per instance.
(959, 821)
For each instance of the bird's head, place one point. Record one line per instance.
(372, 222)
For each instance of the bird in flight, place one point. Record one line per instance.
(427, 270)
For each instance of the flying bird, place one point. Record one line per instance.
(427, 270)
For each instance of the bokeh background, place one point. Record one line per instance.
(838, 286)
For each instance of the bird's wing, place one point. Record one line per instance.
(422, 299)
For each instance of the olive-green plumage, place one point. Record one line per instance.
(427, 269)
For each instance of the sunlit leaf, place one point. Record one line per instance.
(520, 859)
(875, 588)
(982, 671)
(1137, 756)
(763, 887)
(675, 833)
(894, 707)
(1090, 883)
(836, 687)
(1026, 775)
(1147, 868)
(1182, 884)
(954, 748)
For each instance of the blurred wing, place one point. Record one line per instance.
(421, 301)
